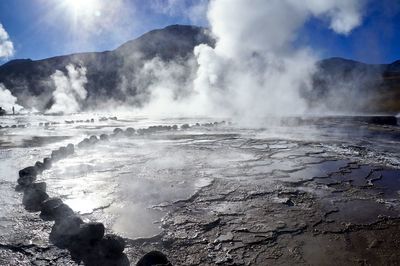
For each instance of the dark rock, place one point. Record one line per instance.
(174, 127)
(92, 120)
(154, 258)
(104, 137)
(39, 167)
(70, 149)
(30, 170)
(34, 195)
(55, 209)
(65, 231)
(63, 152)
(142, 131)
(13, 126)
(47, 163)
(38, 186)
(185, 126)
(112, 246)
(93, 139)
(84, 143)
(49, 204)
(27, 176)
(62, 211)
(26, 180)
(55, 155)
(117, 131)
(91, 232)
(129, 131)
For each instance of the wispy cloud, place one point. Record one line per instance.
(6, 45)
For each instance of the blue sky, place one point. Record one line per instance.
(45, 28)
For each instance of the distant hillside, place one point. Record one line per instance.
(338, 84)
(347, 85)
(29, 80)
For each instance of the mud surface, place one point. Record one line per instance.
(325, 193)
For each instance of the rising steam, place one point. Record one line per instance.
(7, 100)
(69, 89)
(256, 67)
(6, 45)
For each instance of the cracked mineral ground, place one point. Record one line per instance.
(322, 191)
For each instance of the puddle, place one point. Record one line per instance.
(320, 170)
(361, 211)
(389, 183)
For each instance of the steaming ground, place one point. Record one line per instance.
(321, 192)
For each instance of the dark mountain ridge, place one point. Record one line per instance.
(29, 80)
(337, 84)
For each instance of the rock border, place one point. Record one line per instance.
(86, 242)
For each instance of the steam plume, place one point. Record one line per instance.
(7, 100)
(70, 89)
(255, 67)
(6, 45)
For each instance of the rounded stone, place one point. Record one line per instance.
(129, 131)
(34, 195)
(117, 131)
(54, 208)
(112, 246)
(84, 143)
(70, 149)
(26, 180)
(93, 139)
(185, 126)
(30, 170)
(154, 258)
(47, 163)
(27, 176)
(49, 204)
(62, 211)
(63, 152)
(65, 231)
(91, 232)
(39, 167)
(55, 155)
(104, 137)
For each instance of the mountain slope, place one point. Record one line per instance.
(347, 85)
(30, 80)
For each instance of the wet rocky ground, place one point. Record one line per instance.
(320, 193)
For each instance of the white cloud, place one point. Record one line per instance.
(6, 45)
